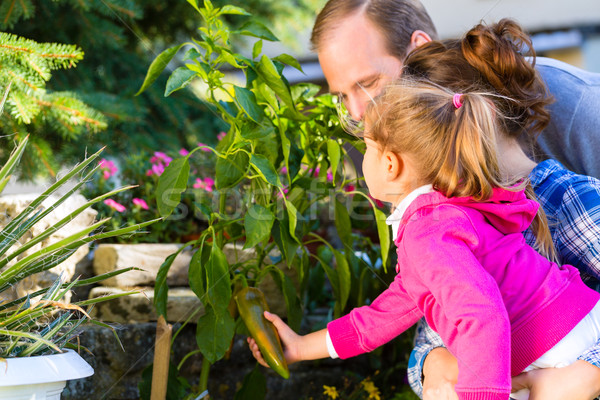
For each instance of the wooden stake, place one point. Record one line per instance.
(162, 355)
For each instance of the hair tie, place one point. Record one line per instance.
(456, 100)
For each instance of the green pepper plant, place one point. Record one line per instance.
(282, 160)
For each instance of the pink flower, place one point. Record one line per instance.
(141, 203)
(221, 135)
(204, 147)
(349, 188)
(108, 168)
(160, 158)
(157, 169)
(113, 204)
(206, 184)
(284, 170)
(329, 177)
(183, 152)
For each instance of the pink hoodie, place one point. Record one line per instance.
(464, 265)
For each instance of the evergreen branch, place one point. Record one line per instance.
(23, 80)
(52, 55)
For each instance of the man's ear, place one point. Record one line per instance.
(417, 39)
(393, 165)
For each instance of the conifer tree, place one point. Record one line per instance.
(120, 38)
(25, 67)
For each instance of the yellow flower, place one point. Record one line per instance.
(331, 391)
(369, 387)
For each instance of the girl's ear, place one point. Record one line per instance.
(393, 165)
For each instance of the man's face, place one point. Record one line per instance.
(356, 64)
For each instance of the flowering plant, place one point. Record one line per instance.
(143, 171)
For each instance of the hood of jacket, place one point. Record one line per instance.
(508, 211)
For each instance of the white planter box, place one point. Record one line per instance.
(41, 377)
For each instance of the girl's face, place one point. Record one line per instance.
(374, 170)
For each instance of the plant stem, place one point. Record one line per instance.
(203, 385)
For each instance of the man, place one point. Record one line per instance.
(361, 45)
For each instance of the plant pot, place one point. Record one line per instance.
(40, 377)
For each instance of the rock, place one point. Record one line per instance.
(147, 256)
(117, 373)
(139, 307)
(12, 205)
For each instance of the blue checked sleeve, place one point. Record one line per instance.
(426, 339)
(592, 355)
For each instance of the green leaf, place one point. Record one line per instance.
(232, 169)
(257, 48)
(268, 72)
(251, 131)
(286, 244)
(335, 154)
(257, 29)
(214, 332)
(343, 224)
(191, 54)
(161, 290)
(343, 272)
(179, 79)
(254, 386)
(158, 65)
(171, 184)
(294, 315)
(289, 60)
(293, 217)
(265, 169)
(197, 275)
(258, 223)
(247, 101)
(218, 280)
(383, 230)
(233, 10)
(194, 4)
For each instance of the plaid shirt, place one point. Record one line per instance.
(572, 206)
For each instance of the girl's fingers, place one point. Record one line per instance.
(256, 352)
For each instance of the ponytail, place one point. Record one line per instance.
(470, 165)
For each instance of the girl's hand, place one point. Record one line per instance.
(290, 341)
(578, 381)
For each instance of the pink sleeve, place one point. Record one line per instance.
(460, 300)
(366, 328)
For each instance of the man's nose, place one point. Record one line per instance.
(356, 107)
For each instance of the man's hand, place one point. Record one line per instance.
(578, 381)
(440, 372)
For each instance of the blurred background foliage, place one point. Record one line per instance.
(119, 39)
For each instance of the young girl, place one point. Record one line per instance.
(463, 264)
(490, 58)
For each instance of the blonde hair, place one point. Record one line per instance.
(452, 148)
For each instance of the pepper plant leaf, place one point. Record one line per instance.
(258, 223)
(158, 66)
(171, 184)
(257, 29)
(179, 79)
(265, 169)
(247, 101)
(214, 331)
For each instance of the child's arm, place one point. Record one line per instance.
(578, 381)
(296, 347)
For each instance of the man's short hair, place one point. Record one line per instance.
(395, 19)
